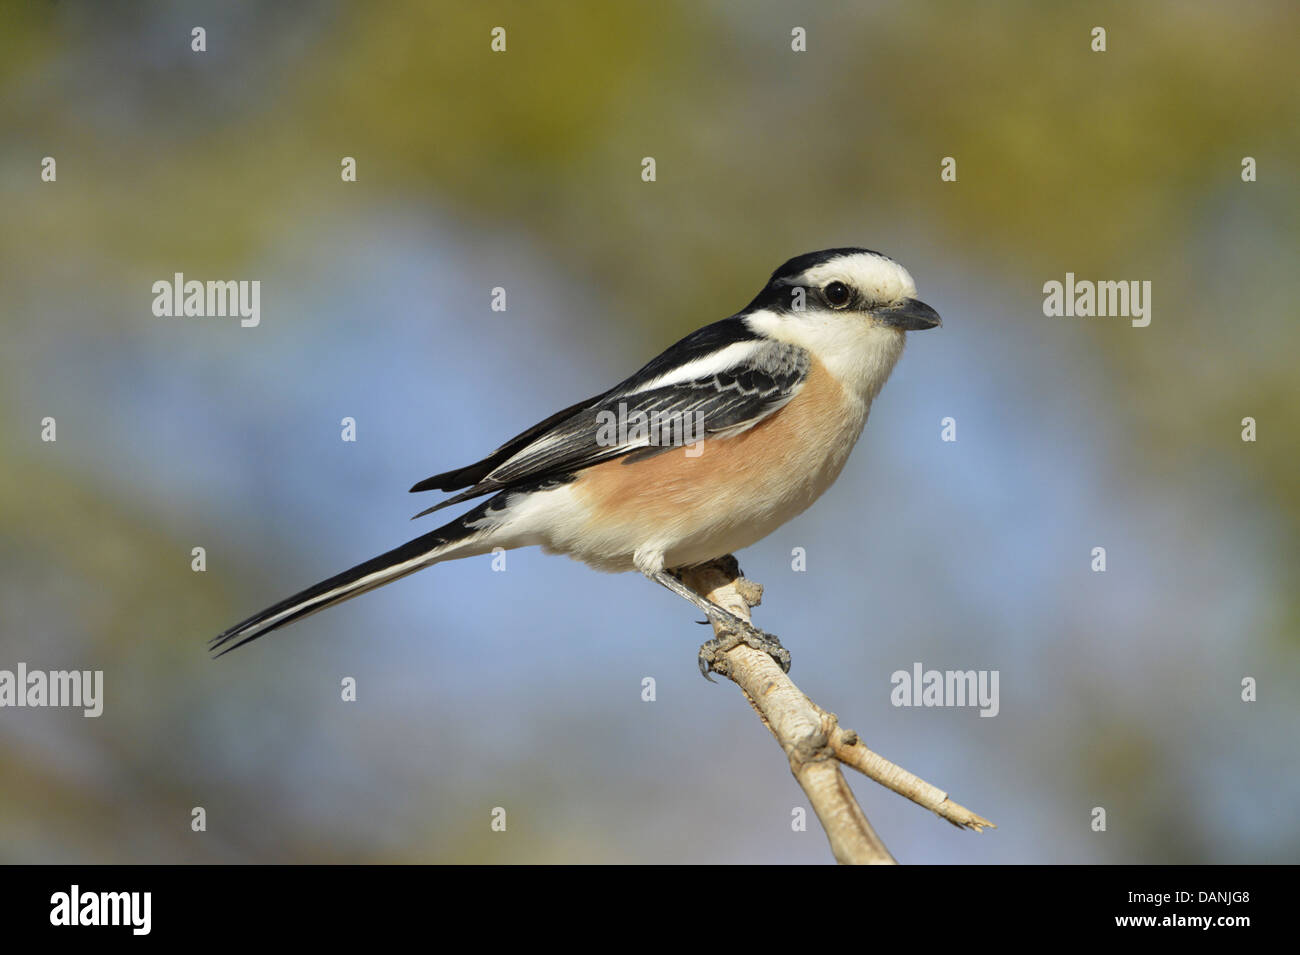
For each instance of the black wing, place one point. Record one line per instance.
(716, 382)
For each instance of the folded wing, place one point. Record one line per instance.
(717, 382)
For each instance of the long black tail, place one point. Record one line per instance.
(451, 540)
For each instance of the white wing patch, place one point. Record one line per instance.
(726, 358)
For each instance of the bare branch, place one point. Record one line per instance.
(810, 736)
(851, 751)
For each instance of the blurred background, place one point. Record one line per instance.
(522, 689)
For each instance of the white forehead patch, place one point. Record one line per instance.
(881, 280)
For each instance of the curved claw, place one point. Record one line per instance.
(736, 630)
(704, 669)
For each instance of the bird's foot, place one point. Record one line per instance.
(737, 631)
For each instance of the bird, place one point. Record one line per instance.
(712, 445)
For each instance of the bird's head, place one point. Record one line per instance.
(847, 284)
(849, 307)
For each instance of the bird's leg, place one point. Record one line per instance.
(738, 631)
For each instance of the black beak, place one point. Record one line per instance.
(911, 316)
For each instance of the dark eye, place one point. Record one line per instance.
(837, 294)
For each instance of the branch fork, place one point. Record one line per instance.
(810, 736)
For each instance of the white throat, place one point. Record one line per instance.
(858, 353)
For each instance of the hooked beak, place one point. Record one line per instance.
(911, 316)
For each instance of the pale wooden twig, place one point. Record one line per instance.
(851, 751)
(810, 736)
(792, 719)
